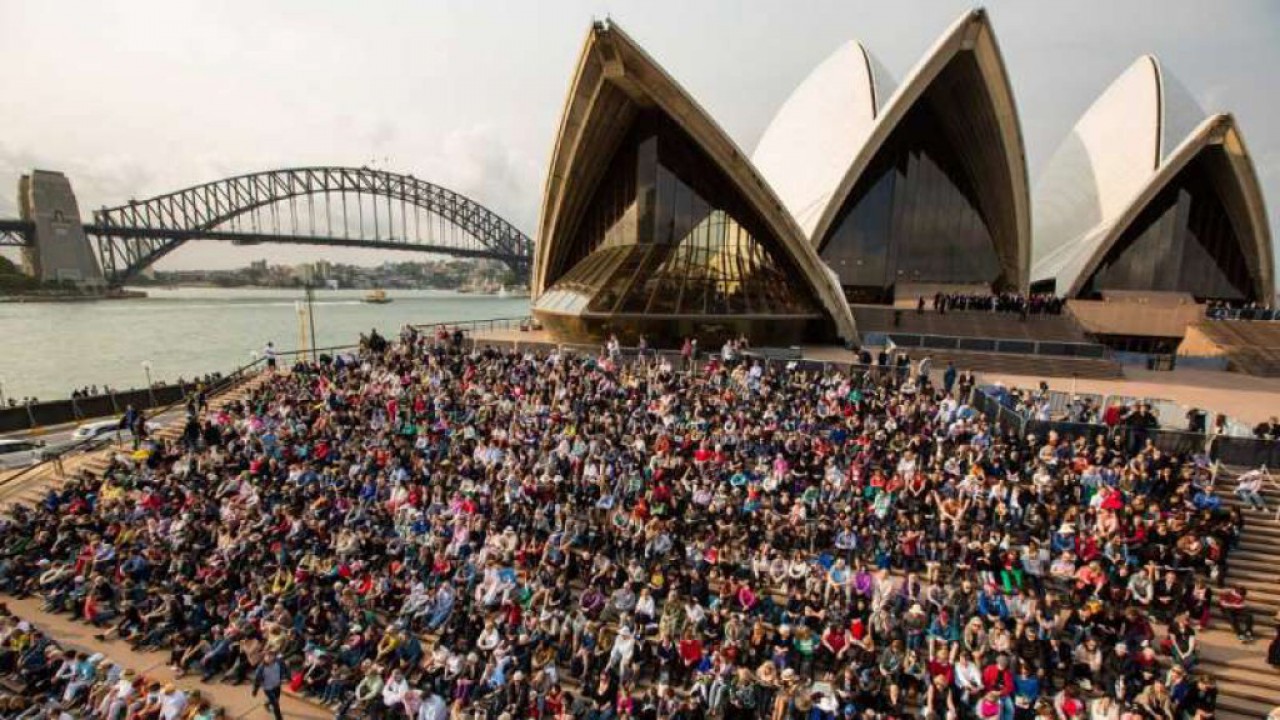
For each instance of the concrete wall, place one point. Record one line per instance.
(56, 412)
(61, 250)
(1154, 315)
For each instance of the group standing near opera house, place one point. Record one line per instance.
(435, 526)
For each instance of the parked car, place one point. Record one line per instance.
(97, 429)
(91, 435)
(19, 453)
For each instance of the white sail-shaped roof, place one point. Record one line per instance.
(807, 147)
(1108, 158)
(616, 80)
(992, 141)
(1238, 184)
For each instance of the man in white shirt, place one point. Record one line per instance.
(433, 708)
(1249, 489)
(394, 690)
(172, 702)
(624, 645)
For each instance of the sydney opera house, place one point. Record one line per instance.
(864, 192)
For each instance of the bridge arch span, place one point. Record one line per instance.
(337, 206)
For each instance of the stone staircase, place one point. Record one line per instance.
(969, 324)
(1247, 686)
(1251, 347)
(1039, 366)
(32, 487)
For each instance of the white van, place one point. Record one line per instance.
(19, 453)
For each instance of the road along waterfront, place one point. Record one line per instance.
(52, 348)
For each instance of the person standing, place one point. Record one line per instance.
(269, 352)
(949, 377)
(269, 677)
(923, 368)
(1249, 490)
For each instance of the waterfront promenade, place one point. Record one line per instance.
(1250, 399)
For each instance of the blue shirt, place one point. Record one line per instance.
(1027, 686)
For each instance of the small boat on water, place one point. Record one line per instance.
(377, 297)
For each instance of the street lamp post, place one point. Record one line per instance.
(300, 312)
(151, 391)
(311, 318)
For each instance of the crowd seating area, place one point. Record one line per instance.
(424, 529)
(41, 679)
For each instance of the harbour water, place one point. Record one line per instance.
(49, 349)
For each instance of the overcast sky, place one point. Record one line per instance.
(132, 98)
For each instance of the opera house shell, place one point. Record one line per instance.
(1148, 194)
(924, 187)
(654, 222)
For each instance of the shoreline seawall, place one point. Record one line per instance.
(69, 297)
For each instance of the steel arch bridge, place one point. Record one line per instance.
(337, 206)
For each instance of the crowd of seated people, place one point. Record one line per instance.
(1008, 302)
(432, 530)
(41, 679)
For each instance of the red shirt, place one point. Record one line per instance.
(944, 669)
(834, 639)
(993, 678)
(690, 651)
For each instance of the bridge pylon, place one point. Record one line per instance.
(58, 249)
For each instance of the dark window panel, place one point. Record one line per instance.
(1184, 240)
(919, 212)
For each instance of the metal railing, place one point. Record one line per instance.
(1228, 449)
(1165, 410)
(1045, 348)
(521, 322)
(56, 457)
(1262, 314)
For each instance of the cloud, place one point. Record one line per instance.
(482, 165)
(97, 181)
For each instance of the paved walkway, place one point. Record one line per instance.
(78, 636)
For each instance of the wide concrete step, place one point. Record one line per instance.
(1011, 364)
(969, 323)
(1246, 707)
(1259, 558)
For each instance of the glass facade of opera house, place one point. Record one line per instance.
(668, 247)
(933, 206)
(1183, 240)
(914, 217)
